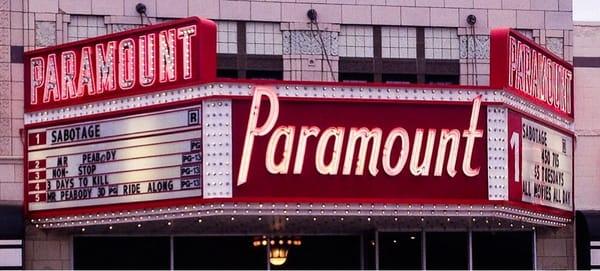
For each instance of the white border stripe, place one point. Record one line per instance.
(11, 257)
(11, 242)
(497, 143)
(460, 94)
(216, 149)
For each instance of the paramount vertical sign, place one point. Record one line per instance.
(521, 65)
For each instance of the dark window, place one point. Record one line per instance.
(16, 54)
(400, 250)
(442, 79)
(399, 78)
(502, 250)
(324, 252)
(219, 252)
(316, 252)
(447, 250)
(356, 77)
(268, 75)
(121, 253)
(227, 73)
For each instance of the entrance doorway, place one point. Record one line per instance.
(213, 252)
(384, 250)
(456, 250)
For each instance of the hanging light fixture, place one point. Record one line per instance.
(278, 248)
(278, 255)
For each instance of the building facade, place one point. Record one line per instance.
(385, 41)
(586, 64)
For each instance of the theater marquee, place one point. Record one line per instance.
(136, 123)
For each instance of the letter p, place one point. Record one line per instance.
(253, 128)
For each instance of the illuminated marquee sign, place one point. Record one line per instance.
(358, 150)
(285, 134)
(169, 55)
(143, 157)
(521, 65)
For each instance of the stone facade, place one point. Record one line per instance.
(555, 248)
(30, 24)
(47, 249)
(587, 157)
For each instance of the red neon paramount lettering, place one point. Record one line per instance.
(146, 60)
(535, 74)
(348, 139)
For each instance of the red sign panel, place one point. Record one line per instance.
(531, 71)
(355, 150)
(163, 56)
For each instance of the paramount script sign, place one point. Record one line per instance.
(358, 149)
(397, 138)
(169, 55)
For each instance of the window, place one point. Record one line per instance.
(399, 54)
(398, 42)
(237, 252)
(249, 50)
(267, 75)
(218, 252)
(399, 78)
(263, 38)
(324, 252)
(355, 77)
(121, 253)
(441, 79)
(226, 37)
(400, 250)
(227, 73)
(441, 43)
(447, 250)
(492, 249)
(83, 27)
(356, 41)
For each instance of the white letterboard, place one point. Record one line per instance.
(547, 166)
(136, 158)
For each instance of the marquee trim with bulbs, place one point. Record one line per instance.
(326, 209)
(317, 91)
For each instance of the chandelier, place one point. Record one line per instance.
(278, 247)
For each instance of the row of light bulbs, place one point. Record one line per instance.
(502, 211)
(369, 219)
(303, 91)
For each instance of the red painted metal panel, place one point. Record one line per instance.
(512, 52)
(405, 186)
